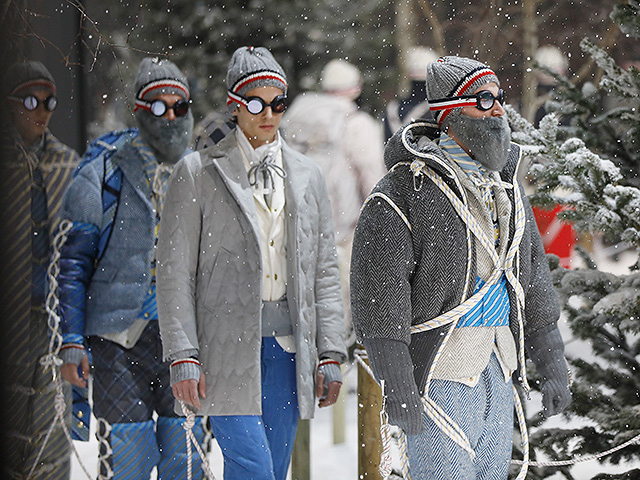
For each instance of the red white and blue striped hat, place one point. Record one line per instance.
(252, 67)
(451, 77)
(157, 77)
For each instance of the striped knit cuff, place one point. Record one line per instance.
(331, 371)
(72, 353)
(185, 369)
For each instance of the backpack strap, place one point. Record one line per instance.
(102, 149)
(111, 188)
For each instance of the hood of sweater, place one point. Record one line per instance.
(418, 141)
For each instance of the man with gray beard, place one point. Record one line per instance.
(450, 283)
(107, 282)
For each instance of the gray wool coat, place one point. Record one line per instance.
(402, 277)
(209, 276)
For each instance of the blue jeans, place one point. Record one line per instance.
(259, 447)
(485, 414)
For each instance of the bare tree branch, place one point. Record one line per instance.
(436, 28)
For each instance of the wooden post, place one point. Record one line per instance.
(301, 458)
(369, 441)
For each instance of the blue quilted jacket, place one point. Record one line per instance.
(105, 296)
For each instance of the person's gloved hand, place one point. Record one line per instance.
(404, 407)
(328, 382)
(391, 362)
(546, 349)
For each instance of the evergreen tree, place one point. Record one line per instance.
(592, 165)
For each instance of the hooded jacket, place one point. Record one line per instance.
(411, 257)
(209, 276)
(106, 297)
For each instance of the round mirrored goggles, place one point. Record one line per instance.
(160, 107)
(484, 100)
(31, 102)
(256, 105)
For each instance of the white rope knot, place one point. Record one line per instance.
(191, 440)
(189, 422)
(51, 360)
(60, 402)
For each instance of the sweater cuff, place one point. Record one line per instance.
(337, 356)
(72, 353)
(331, 371)
(185, 369)
(546, 350)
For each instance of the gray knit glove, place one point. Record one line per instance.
(331, 370)
(546, 349)
(391, 362)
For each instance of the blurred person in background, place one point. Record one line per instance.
(415, 105)
(347, 144)
(36, 169)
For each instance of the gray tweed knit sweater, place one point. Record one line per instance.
(402, 277)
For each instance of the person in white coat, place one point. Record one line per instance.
(348, 145)
(249, 298)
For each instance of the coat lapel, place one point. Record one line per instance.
(297, 181)
(233, 172)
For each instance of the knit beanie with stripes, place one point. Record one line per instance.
(157, 77)
(450, 77)
(168, 139)
(25, 78)
(252, 67)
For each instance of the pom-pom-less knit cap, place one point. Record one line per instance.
(253, 67)
(24, 78)
(451, 77)
(340, 77)
(157, 77)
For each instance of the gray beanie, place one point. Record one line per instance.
(24, 78)
(156, 77)
(451, 77)
(252, 67)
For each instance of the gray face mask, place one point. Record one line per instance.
(167, 139)
(488, 139)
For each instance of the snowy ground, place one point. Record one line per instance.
(339, 462)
